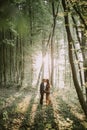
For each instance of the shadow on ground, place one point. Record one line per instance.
(11, 119)
(70, 120)
(36, 117)
(43, 119)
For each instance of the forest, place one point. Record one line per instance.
(43, 39)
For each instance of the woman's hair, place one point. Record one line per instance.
(48, 84)
(47, 80)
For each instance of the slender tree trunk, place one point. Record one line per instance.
(23, 61)
(52, 41)
(4, 59)
(81, 81)
(20, 59)
(10, 60)
(43, 54)
(65, 72)
(17, 59)
(1, 61)
(84, 50)
(85, 76)
(31, 35)
(58, 51)
(39, 75)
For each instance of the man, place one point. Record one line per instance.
(42, 90)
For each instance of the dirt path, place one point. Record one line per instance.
(20, 110)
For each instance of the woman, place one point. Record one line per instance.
(47, 91)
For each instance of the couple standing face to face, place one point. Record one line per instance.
(44, 88)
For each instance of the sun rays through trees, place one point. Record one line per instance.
(43, 39)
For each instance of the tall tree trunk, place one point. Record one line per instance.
(10, 65)
(52, 40)
(74, 74)
(31, 35)
(1, 61)
(23, 61)
(17, 59)
(43, 55)
(81, 81)
(58, 63)
(39, 75)
(20, 59)
(4, 59)
(84, 50)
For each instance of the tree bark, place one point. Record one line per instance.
(4, 58)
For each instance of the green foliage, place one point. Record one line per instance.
(15, 15)
(48, 125)
(20, 24)
(5, 115)
(81, 7)
(1, 102)
(12, 17)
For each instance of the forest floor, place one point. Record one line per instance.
(20, 110)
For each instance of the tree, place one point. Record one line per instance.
(70, 45)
